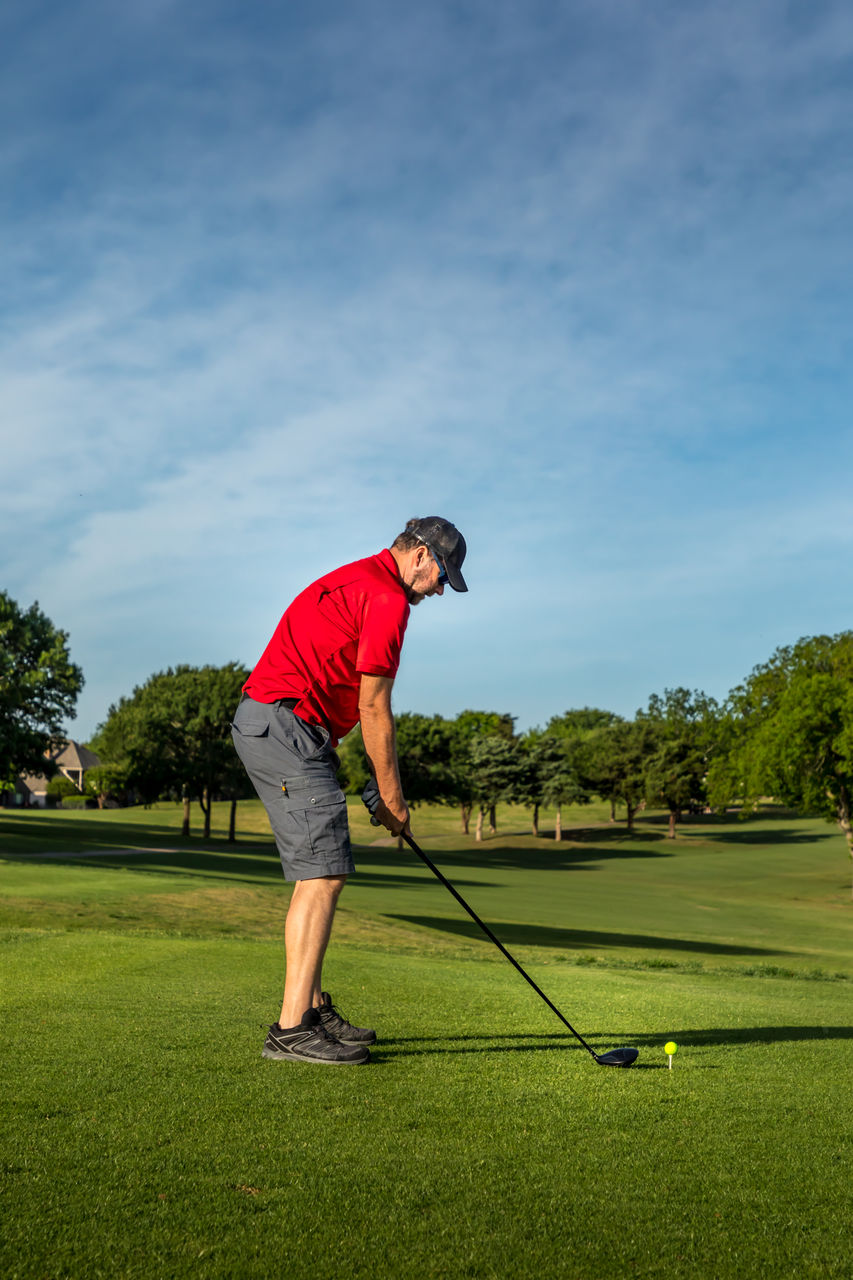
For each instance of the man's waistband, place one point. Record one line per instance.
(290, 703)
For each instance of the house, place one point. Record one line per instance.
(72, 761)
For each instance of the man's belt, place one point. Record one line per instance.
(290, 703)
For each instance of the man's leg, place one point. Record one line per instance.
(306, 936)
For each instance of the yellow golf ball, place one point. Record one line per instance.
(670, 1047)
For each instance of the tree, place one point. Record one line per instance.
(173, 736)
(614, 762)
(548, 774)
(423, 750)
(683, 724)
(60, 787)
(106, 782)
(528, 788)
(462, 733)
(788, 732)
(206, 699)
(141, 743)
(562, 757)
(354, 770)
(39, 686)
(561, 777)
(494, 764)
(579, 722)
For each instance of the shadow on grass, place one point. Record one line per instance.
(541, 935)
(51, 831)
(226, 864)
(252, 864)
(747, 1035)
(542, 856)
(775, 835)
(605, 834)
(411, 1046)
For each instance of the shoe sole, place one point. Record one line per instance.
(281, 1055)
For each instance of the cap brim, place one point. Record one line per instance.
(454, 577)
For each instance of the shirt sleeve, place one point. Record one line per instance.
(381, 637)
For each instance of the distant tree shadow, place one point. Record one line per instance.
(600, 1041)
(688, 1036)
(783, 835)
(605, 834)
(539, 857)
(244, 866)
(541, 935)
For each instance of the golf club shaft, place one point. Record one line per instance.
(487, 931)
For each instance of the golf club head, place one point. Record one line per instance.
(617, 1058)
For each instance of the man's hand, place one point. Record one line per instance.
(396, 821)
(394, 818)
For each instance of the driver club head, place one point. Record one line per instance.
(617, 1058)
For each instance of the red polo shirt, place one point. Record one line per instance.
(347, 624)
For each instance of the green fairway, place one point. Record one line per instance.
(144, 1136)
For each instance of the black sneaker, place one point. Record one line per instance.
(311, 1042)
(340, 1028)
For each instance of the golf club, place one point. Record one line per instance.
(615, 1057)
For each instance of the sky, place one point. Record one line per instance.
(277, 276)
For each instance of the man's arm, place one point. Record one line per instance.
(380, 745)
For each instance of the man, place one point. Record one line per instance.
(331, 662)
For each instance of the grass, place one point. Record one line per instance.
(145, 1137)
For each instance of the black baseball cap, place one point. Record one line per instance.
(445, 540)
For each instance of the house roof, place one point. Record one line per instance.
(34, 782)
(71, 756)
(74, 756)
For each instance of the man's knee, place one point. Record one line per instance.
(323, 886)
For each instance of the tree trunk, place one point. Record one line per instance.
(204, 802)
(558, 824)
(232, 823)
(185, 826)
(843, 803)
(632, 809)
(612, 809)
(535, 824)
(493, 825)
(465, 810)
(673, 818)
(478, 832)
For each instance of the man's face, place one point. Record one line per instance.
(422, 579)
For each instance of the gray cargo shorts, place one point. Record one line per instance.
(292, 767)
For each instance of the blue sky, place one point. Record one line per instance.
(278, 276)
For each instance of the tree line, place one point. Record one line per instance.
(786, 733)
(477, 760)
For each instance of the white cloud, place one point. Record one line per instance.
(576, 275)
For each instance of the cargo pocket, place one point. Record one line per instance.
(320, 810)
(250, 722)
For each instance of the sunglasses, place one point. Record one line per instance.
(442, 572)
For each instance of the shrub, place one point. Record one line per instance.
(60, 787)
(76, 801)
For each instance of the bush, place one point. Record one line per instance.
(77, 801)
(60, 787)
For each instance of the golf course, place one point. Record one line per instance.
(144, 1135)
